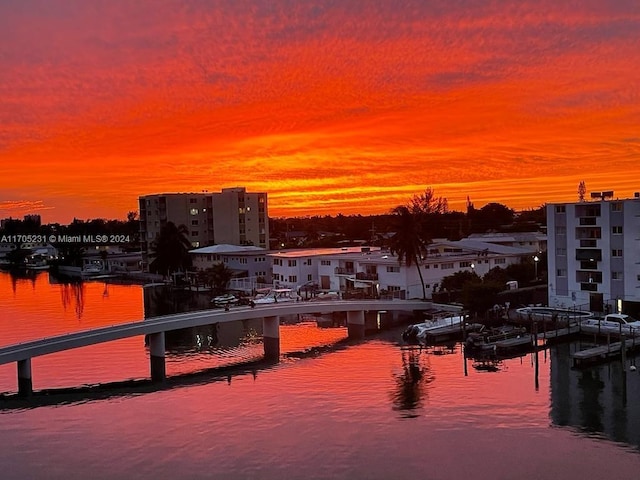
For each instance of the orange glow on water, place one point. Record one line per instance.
(328, 109)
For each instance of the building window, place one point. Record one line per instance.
(194, 222)
(616, 230)
(393, 288)
(561, 251)
(293, 278)
(393, 269)
(465, 264)
(616, 206)
(293, 263)
(194, 233)
(307, 261)
(326, 263)
(561, 209)
(616, 275)
(193, 200)
(499, 261)
(561, 272)
(309, 277)
(277, 261)
(447, 266)
(616, 252)
(193, 211)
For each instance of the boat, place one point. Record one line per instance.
(277, 295)
(506, 337)
(418, 332)
(36, 262)
(224, 300)
(91, 269)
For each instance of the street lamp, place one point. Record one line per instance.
(535, 265)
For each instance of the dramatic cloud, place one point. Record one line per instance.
(340, 106)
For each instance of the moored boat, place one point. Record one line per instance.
(418, 332)
(503, 338)
(278, 295)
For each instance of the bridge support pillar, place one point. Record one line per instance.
(271, 338)
(25, 385)
(355, 324)
(156, 357)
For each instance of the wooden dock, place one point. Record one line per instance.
(558, 333)
(603, 353)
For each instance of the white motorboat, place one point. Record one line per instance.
(224, 300)
(419, 331)
(37, 262)
(278, 295)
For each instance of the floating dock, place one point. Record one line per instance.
(603, 353)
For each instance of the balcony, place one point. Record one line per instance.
(588, 221)
(589, 243)
(588, 277)
(372, 277)
(589, 287)
(344, 271)
(591, 255)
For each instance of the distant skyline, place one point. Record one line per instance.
(330, 107)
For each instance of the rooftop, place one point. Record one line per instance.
(224, 248)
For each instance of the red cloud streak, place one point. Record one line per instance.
(341, 107)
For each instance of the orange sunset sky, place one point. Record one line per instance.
(331, 107)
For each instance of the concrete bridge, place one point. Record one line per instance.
(157, 326)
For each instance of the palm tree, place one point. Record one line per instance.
(170, 251)
(409, 242)
(218, 277)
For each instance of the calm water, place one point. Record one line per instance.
(366, 411)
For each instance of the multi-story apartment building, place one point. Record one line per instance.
(231, 216)
(375, 271)
(246, 261)
(594, 253)
(240, 218)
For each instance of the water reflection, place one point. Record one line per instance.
(411, 383)
(594, 400)
(22, 276)
(164, 300)
(72, 295)
(238, 338)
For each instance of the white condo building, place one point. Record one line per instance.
(594, 253)
(374, 271)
